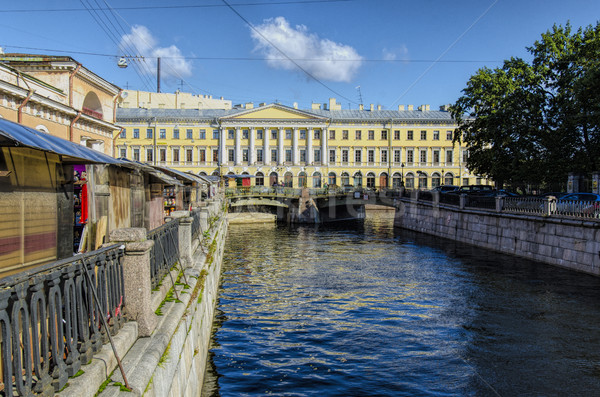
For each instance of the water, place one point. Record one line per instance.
(360, 308)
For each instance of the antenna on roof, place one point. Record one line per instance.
(359, 95)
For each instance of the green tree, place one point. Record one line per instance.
(532, 123)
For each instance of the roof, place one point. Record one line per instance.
(180, 174)
(161, 176)
(17, 135)
(124, 115)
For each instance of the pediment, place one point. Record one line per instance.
(273, 112)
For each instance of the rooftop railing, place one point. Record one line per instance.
(49, 321)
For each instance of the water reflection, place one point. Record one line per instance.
(362, 308)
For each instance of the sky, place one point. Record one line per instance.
(381, 52)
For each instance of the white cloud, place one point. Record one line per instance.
(322, 58)
(141, 42)
(393, 54)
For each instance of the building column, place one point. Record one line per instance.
(222, 147)
(295, 156)
(324, 148)
(238, 146)
(251, 149)
(309, 148)
(280, 153)
(267, 150)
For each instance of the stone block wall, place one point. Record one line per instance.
(569, 243)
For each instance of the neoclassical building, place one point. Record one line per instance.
(367, 147)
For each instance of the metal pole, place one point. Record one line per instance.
(101, 314)
(158, 74)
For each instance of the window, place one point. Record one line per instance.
(149, 155)
(162, 152)
(123, 134)
(423, 135)
(231, 155)
(288, 155)
(449, 159)
(423, 156)
(317, 134)
(302, 156)
(148, 133)
(245, 134)
(384, 135)
(344, 134)
(384, 156)
(409, 135)
(189, 155)
(317, 155)
(215, 153)
(202, 134)
(449, 135)
(302, 134)
(123, 153)
(358, 156)
(274, 153)
(259, 134)
(202, 155)
(260, 179)
(245, 155)
(189, 134)
(230, 134)
(162, 133)
(465, 181)
(259, 155)
(273, 134)
(409, 156)
(436, 157)
(215, 134)
(288, 134)
(331, 134)
(332, 156)
(371, 135)
(175, 134)
(465, 155)
(436, 135)
(397, 156)
(136, 154)
(397, 135)
(175, 155)
(357, 135)
(136, 133)
(345, 156)
(371, 156)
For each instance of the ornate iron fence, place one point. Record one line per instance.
(49, 321)
(484, 202)
(195, 224)
(450, 198)
(524, 205)
(165, 252)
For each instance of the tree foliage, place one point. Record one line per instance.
(534, 122)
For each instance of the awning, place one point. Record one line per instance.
(180, 174)
(161, 176)
(17, 135)
(237, 176)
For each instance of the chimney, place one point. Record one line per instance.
(424, 108)
(400, 108)
(372, 107)
(361, 107)
(260, 105)
(316, 106)
(378, 107)
(333, 105)
(249, 105)
(409, 107)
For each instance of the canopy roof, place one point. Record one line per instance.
(18, 135)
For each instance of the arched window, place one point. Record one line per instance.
(396, 180)
(422, 180)
(345, 179)
(288, 180)
(332, 179)
(317, 179)
(42, 128)
(383, 180)
(410, 180)
(302, 179)
(260, 179)
(202, 173)
(370, 180)
(358, 179)
(273, 178)
(448, 178)
(92, 105)
(435, 179)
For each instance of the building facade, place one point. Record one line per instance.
(276, 144)
(59, 96)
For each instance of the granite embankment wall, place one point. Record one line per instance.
(564, 242)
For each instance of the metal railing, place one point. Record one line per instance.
(195, 224)
(579, 209)
(485, 202)
(525, 205)
(49, 321)
(164, 253)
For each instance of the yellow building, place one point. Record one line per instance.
(367, 147)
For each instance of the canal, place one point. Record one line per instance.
(361, 308)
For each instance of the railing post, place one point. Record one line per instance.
(203, 222)
(185, 236)
(463, 201)
(549, 205)
(499, 203)
(435, 198)
(136, 277)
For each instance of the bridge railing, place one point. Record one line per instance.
(164, 252)
(49, 321)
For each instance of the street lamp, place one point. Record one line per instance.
(402, 175)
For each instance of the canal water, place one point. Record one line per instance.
(363, 309)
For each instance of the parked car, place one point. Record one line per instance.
(579, 203)
(445, 188)
(555, 194)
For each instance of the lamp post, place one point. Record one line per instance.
(402, 175)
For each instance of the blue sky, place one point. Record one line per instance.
(304, 51)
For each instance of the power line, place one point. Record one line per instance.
(180, 6)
